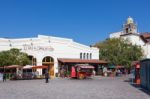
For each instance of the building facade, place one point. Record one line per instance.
(129, 32)
(47, 50)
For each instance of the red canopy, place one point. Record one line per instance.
(120, 67)
(88, 67)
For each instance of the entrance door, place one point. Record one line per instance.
(51, 70)
(49, 61)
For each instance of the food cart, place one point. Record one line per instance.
(82, 71)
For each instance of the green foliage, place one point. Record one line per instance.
(118, 51)
(13, 57)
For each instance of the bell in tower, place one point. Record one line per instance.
(130, 26)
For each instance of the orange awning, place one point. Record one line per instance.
(13, 66)
(38, 67)
(27, 67)
(94, 61)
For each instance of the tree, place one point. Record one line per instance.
(13, 57)
(118, 51)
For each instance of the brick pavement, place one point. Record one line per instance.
(58, 88)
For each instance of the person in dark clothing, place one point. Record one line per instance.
(4, 77)
(46, 77)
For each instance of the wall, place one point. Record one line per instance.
(43, 46)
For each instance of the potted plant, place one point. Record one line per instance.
(68, 73)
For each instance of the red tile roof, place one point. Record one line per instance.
(145, 37)
(68, 60)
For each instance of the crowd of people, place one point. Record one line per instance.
(63, 74)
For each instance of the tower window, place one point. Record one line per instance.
(126, 30)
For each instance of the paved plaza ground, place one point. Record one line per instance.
(59, 88)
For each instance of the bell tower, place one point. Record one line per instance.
(129, 27)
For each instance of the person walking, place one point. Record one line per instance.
(4, 77)
(46, 77)
(1, 76)
(62, 72)
(93, 73)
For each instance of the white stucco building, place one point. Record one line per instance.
(130, 33)
(52, 51)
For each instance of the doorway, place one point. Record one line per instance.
(49, 61)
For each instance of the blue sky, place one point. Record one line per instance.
(85, 21)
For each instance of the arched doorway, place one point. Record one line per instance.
(49, 61)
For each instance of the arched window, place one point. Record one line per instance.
(84, 56)
(32, 60)
(48, 59)
(80, 55)
(87, 56)
(90, 55)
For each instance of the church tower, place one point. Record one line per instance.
(129, 27)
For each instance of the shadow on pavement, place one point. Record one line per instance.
(140, 88)
(137, 86)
